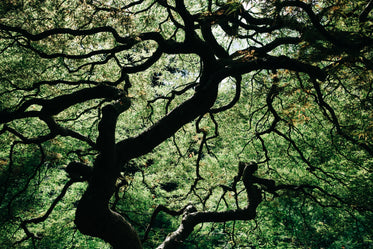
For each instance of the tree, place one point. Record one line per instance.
(279, 92)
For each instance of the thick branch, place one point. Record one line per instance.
(234, 100)
(58, 104)
(197, 105)
(93, 216)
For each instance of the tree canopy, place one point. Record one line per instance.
(186, 124)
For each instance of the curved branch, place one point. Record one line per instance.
(192, 217)
(77, 56)
(210, 39)
(46, 215)
(157, 210)
(61, 103)
(187, 18)
(197, 105)
(149, 62)
(73, 32)
(250, 63)
(345, 43)
(234, 100)
(333, 118)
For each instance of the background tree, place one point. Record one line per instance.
(220, 123)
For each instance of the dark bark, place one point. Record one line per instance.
(93, 215)
(197, 105)
(60, 103)
(94, 218)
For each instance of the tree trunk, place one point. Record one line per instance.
(94, 217)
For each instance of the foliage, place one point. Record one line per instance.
(204, 124)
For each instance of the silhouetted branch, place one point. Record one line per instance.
(42, 218)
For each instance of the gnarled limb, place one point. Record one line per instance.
(192, 217)
(93, 215)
